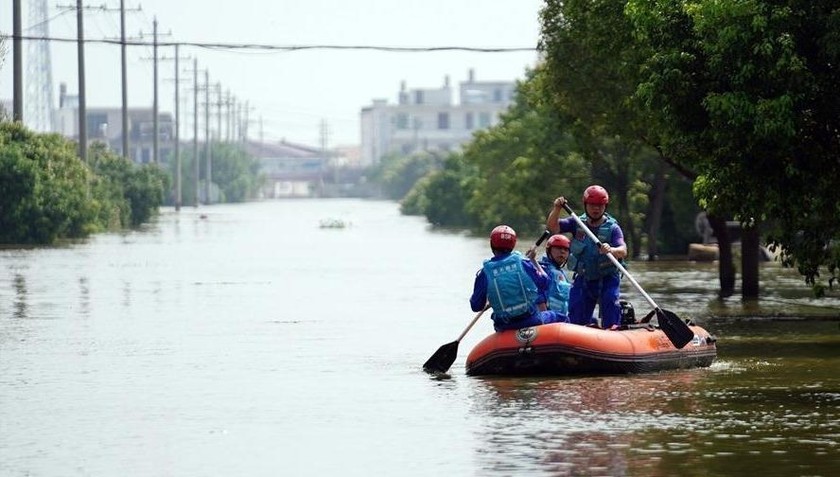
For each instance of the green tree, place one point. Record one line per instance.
(134, 191)
(524, 161)
(396, 174)
(43, 188)
(743, 92)
(442, 195)
(235, 173)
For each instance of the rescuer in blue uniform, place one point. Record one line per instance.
(596, 279)
(554, 264)
(512, 284)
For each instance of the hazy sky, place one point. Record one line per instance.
(292, 91)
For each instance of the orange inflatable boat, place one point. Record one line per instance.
(566, 349)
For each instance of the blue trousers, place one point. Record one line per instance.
(585, 294)
(537, 318)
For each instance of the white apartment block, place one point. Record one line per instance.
(429, 120)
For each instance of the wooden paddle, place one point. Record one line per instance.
(674, 328)
(442, 360)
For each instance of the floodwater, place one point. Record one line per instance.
(248, 340)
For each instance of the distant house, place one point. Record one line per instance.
(291, 170)
(105, 125)
(429, 120)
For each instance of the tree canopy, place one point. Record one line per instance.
(735, 94)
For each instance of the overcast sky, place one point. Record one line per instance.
(291, 91)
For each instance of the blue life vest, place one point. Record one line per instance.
(510, 291)
(558, 287)
(584, 257)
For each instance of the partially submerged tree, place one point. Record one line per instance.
(747, 87)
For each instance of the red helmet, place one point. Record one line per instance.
(559, 241)
(596, 194)
(503, 237)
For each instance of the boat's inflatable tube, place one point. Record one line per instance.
(566, 349)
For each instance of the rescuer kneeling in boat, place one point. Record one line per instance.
(512, 284)
(596, 279)
(553, 264)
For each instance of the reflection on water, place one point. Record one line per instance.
(774, 396)
(248, 340)
(20, 296)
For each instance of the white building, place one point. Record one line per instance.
(428, 119)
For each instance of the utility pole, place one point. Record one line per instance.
(123, 71)
(325, 132)
(177, 136)
(228, 103)
(177, 125)
(124, 74)
(123, 66)
(178, 176)
(155, 89)
(195, 128)
(208, 176)
(81, 57)
(17, 49)
(155, 120)
(219, 105)
(247, 122)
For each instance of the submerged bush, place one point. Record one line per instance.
(47, 193)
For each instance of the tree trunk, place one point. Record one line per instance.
(726, 270)
(749, 263)
(657, 203)
(625, 218)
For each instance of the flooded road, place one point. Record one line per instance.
(249, 340)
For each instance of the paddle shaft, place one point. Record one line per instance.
(611, 256)
(472, 323)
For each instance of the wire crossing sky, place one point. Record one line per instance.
(294, 63)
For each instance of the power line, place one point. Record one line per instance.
(287, 48)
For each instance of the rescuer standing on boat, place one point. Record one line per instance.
(596, 279)
(512, 284)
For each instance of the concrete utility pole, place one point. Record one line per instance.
(178, 193)
(82, 105)
(123, 67)
(228, 128)
(124, 73)
(155, 120)
(195, 129)
(155, 89)
(208, 176)
(219, 105)
(17, 49)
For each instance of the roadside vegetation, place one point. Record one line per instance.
(48, 194)
(675, 107)
(236, 175)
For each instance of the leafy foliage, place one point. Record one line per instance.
(442, 195)
(743, 92)
(43, 188)
(397, 174)
(234, 171)
(47, 193)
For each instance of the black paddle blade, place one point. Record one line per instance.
(674, 328)
(442, 359)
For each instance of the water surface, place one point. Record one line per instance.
(248, 340)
